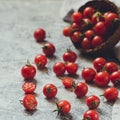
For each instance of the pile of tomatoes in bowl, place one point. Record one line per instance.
(95, 27)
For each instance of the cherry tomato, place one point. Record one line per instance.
(28, 71)
(111, 67)
(48, 49)
(59, 68)
(88, 12)
(92, 102)
(40, 60)
(39, 34)
(100, 28)
(98, 63)
(69, 56)
(75, 26)
(71, 68)
(50, 91)
(68, 82)
(91, 115)
(67, 31)
(115, 78)
(81, 89)
(102, 79)
(86, 43)
(89, 34)
(28, 87)
(88, 74)
(97, 40)
(29, 102)
(111, 94)
(63, 107)
(77, 17)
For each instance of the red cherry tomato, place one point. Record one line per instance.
(102, 79)
(92, 102)
(91, 115)
(59, 68)
(29, 102)
(100, 28)
(67, 82)
(77, 17)
(111, 67)
(28, 87)
(40, 61)
(89, 34)
(28, 71)
(50, 91)
(88, 12)
(81, 89)
(69, 56)
(39, 34)
(111, 94)
(98, 63)
(88, 74)
(63, 107)
(115, 78)
(67, 31)
(48, 49)
(71, 68)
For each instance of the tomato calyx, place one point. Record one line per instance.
(93, 104)
(87, 118)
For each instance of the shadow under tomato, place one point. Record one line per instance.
(65, 116)
(30, 112)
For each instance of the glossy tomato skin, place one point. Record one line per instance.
(111, 94)
(89, 34)
(81, 89)
(88, 74)
(115, 78)
(40, 60)
(91, 115)
(102, 79)
(111, 67)
(49, 49)
(67, 31)
(98, 63)
(71, 68)
(59, 68)
(39, 34)
(88, 12)
(28, 87)
(64, 106)
(77, 17)
(92, 102)
(86, 43)
(28, 72)
(29, 102)
(69, 56)
(50, 91)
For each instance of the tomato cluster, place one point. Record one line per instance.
(91, 27)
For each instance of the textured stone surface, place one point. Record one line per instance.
(18, 20)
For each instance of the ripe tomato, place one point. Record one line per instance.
(88, 74)
(48, 49)
(111, 94)
(39, 34)
(88, 12)
(28, 87)
(63, 107)
(29, 102)
(91, 115)
(59, 68)
(75, 26)
(92, 102)
(86, 43)
(115, 78)
(40, 60)
(89, 34)
(100, 28)
(67, 31)
(69, 56)
(97, 40)
(77, 17)
(111, 67)
(102, 79)
(81, 89)
(98, 63)
(68, 82)
(28, 71)
(71, 68)
(50, 91)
